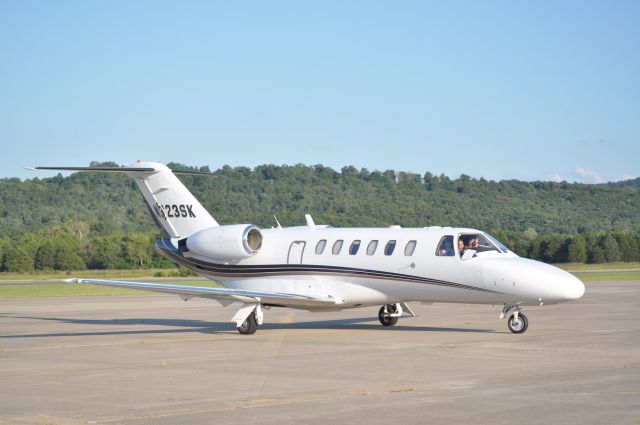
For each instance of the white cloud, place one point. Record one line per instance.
(623, 177)
(556, 178)
(587, 176)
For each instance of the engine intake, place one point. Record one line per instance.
(227, 243)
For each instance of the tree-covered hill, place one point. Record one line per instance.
(99, 221)
(350, 197)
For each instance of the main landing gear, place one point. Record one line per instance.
(248, 318)
(517, 322)
(390, 313)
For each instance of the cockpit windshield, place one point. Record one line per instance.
(477, 243)
(496, 242)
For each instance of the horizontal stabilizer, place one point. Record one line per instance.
(120, 170)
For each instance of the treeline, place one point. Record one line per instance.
(99, 220)
(599, 247)
(73, 246)
(111, 203)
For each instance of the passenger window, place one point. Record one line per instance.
(353, 249)
(408, 250)
(371, 248)
(337, 246)
(445, 247)
(320, 246)
(389, 247)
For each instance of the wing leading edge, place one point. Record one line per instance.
(227, 294)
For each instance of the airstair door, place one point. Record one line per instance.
(296, 250)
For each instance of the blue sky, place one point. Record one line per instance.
(530, 90)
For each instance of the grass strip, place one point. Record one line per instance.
(79, 290)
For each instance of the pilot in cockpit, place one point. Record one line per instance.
(461, 246)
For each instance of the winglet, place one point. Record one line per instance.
(72, 280)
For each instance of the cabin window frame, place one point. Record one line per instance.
(320, 248)
(337, 247)
(390, 247)
(372, 247)
(408, 252)
(355, 245)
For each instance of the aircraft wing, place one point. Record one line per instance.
(222, 294)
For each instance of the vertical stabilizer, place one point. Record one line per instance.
(174, 208)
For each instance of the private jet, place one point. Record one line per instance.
(323, 268)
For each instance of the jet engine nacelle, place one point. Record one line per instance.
(229, 243)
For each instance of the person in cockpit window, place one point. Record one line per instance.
(461, 246)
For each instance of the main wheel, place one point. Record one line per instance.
(249, 326)
(519, 325)
(385, 318)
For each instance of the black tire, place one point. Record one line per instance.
(384, 318)
(249, 326)
(519, 326)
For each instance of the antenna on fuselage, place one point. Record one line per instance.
(277, 222)
(310, 222)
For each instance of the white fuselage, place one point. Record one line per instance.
(288, 262)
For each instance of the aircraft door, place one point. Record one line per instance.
(296, 250)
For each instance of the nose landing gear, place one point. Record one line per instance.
(517, 322)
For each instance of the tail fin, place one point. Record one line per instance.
(174, 209)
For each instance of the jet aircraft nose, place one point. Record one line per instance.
(561, 285)
(572, 288)
(532, 282)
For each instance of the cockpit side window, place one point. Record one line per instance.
(479, 242)
(445, 247)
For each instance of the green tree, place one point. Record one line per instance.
(137, 250)
(105, 252)
(18, 259)
(555, 249)
(577, 250)
(46, 255)
(628, 246)
(611, 248)
(4, 243)
(67, 256)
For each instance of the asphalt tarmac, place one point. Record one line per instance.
(158, 360)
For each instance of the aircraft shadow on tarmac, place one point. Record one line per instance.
(201, 326)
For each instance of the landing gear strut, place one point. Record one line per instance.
(389, 314)
(517, 322)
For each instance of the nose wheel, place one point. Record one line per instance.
(517, 322)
